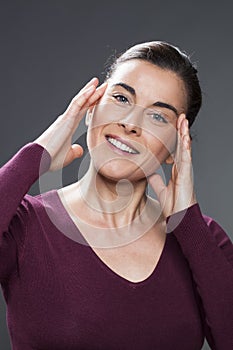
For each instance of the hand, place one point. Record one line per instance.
(57, 139)
(179, 193)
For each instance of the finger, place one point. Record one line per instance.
(174, 173)
(183, 138)
(86, 98)
(80, 100)
(187, 142)
(90, 98)
(96, 95)
(183, 167)
(184, 127)
(93, 81)
(157, 185)
(90, 84)
(179, 120)
(76, 151)
(178, 147)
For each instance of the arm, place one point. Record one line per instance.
(209, 252)
(16, 177)
(205, 245)
(51, 150)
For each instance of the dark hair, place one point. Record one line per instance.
(167, 56)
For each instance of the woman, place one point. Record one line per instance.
(99, 264)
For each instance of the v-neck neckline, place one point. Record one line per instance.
(70, 224)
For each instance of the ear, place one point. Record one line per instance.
(89, 114)
(88, 117)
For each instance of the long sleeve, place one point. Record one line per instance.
(209, 252)
(16, 177)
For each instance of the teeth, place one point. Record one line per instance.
(120, 145)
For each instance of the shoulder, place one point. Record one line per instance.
(36, 204)
(211, 222)
(221, 237)
(194, 222)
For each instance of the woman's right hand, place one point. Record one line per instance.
(57, 139)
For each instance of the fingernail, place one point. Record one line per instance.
(92, 87)
(93, 80)
(104, 84)
(181, 117)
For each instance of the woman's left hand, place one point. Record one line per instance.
(178, 194)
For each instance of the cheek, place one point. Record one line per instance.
(163, 142)
(93, 138)
(106, 113)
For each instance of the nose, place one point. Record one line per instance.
(130, 128)
(132, 123)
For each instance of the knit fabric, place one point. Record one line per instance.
(61, 296)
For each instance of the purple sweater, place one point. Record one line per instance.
(61, 295)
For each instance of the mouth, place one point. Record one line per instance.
(121, 145)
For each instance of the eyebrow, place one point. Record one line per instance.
(131, 90)
(126, 87)
(166, 105)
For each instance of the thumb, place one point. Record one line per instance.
(75, 151)
(159, 187)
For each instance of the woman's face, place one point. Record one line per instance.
(132, 130)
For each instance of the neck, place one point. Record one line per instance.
(111, 213)
(117, 202)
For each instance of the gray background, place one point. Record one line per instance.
(50, 48)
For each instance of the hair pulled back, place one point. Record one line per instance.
(168, 57)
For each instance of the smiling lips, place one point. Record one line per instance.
(121, 145)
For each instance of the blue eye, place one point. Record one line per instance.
(121, 98)
(157, 117)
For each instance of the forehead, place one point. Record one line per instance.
(151, 82)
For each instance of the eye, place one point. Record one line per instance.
(158, 117)
(121, 99)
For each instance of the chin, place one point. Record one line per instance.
(115, 167)
(121, 170)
